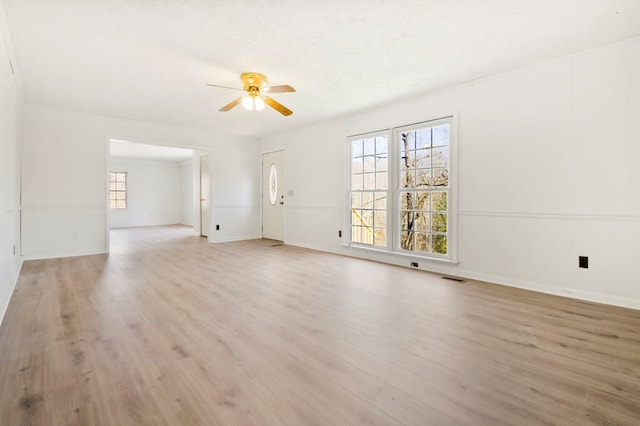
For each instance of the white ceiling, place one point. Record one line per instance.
(125, 149)
(150, 59)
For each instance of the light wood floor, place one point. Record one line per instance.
(170, 330)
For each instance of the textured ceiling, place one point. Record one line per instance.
(150, 59)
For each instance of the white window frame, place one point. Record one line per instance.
(393, 192)
(389, 191)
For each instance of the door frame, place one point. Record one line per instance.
(199, 195)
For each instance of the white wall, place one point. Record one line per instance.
(64, 178)
(154, 193)
(548, 170)
(9, 173)
(186, 193)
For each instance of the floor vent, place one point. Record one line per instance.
(460, 280)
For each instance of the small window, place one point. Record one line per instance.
(118, 190)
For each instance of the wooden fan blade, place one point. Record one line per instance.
(277, 106)
(281, 89)
(230, 105)
(223, 87)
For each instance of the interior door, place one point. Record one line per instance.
(205, 190)
(273, 195)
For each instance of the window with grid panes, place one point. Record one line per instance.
(369, 189)
(424, 188)
(118, 190)
(400, 191)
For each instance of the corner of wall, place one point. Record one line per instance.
(5, 306)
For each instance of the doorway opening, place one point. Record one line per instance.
(155, 185)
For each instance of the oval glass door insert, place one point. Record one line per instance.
(273, 184)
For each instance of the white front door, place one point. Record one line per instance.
(205, 185)
(273, 195)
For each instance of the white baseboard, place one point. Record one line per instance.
(13, 288)
(571, 293)
(59, 255)
(237, 238)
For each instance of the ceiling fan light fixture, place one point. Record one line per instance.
(256, 97)
(248, 103)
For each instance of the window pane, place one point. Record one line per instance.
(407, 141)
(369, 164)
(421, 221)
(439, 201)
(120, 186)
(422, 242)
(112, 176)
(367, 217)
(380, 202)
(423, 158)
(356, 182)
(369, 181)
(439, 222)
(407, 200)
(356, 148)
(380, 218)
(382, 163)
(382, 145)
(356, 234)
(423, 138)
(112, 195)
(112, 204)
(367, 200)
(407, 219)
(408, 160)
(381, 180)
(423, 178)
(407, 240)
(112, 186)
(357, 165)
(380, 237)
(440, 177)
(369, 146)
(356, 217)
(439, 243)
(120, 196)
(356, 200)
(121, 177)
(407, 179)
(422, 201)
(441, 135)
(441, 157)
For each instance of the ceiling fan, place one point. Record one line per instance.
(256, 97)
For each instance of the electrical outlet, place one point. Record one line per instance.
(414, 264)
(583, 262)
(217, 227)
